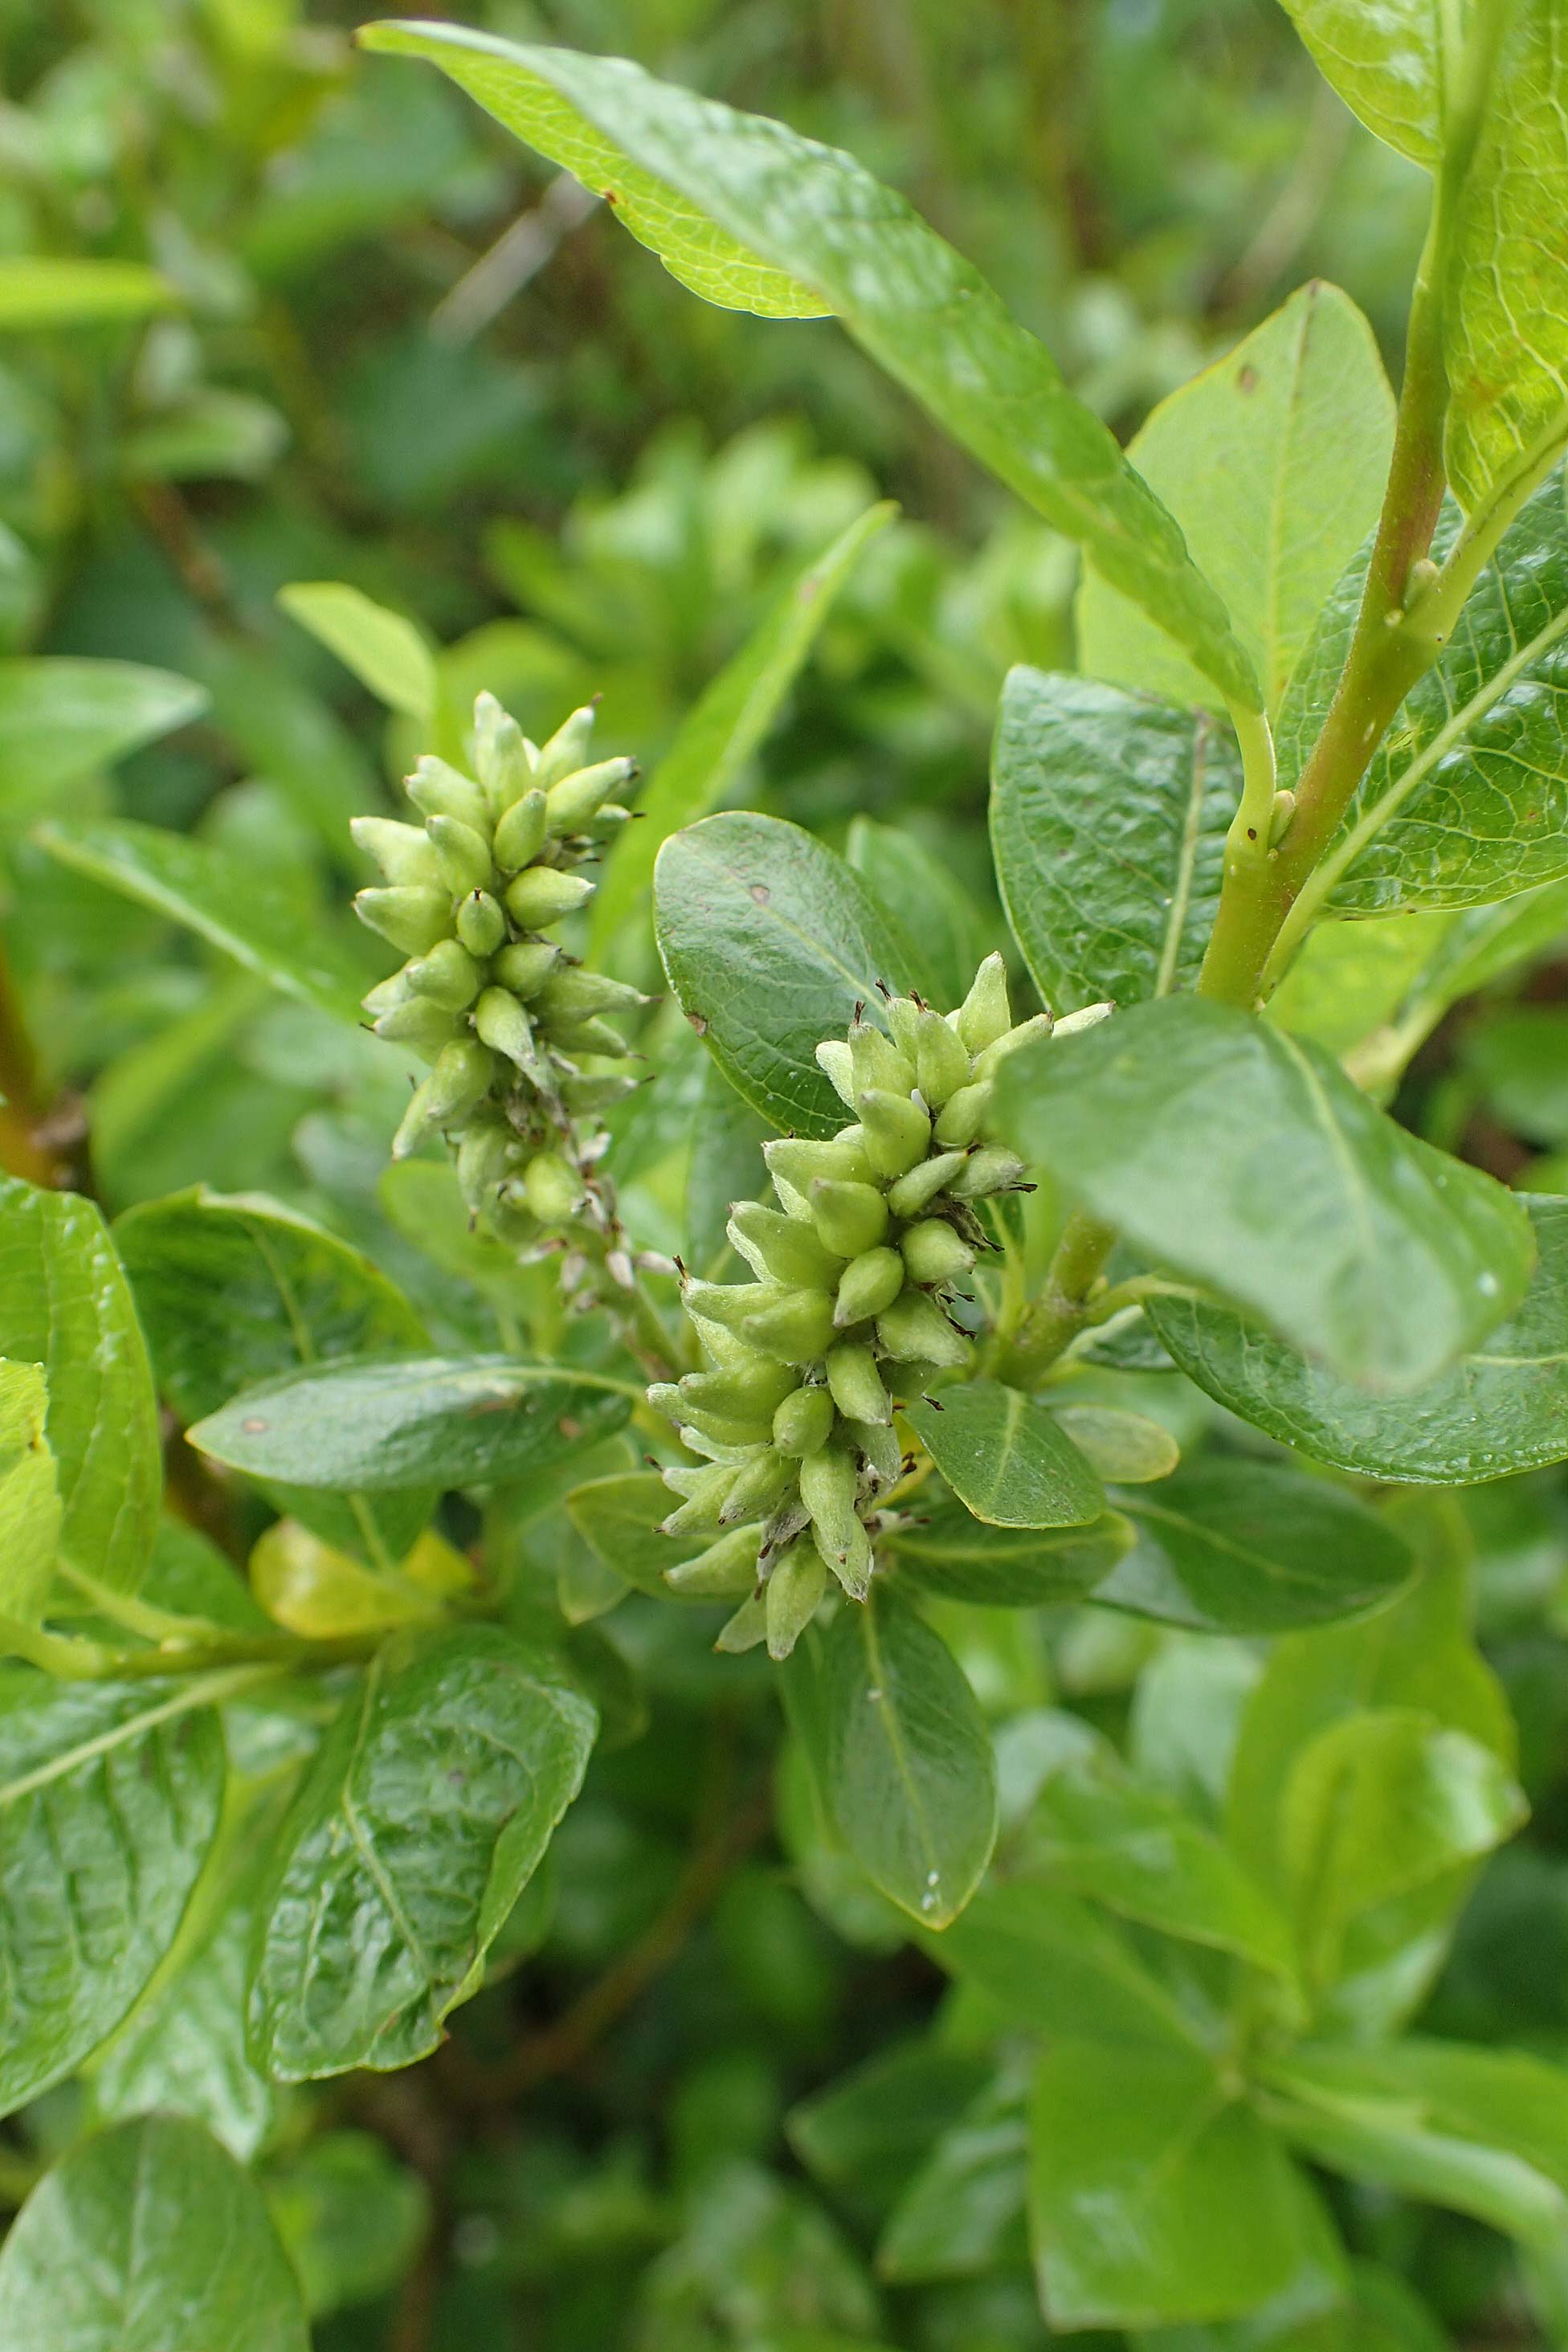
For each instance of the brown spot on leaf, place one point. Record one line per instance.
(700, 1022)
(761, 893)
(253, 1428)
(1247, 379)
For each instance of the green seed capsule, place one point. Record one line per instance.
(569, 995)
(876, 1062)
(586, 1037)
(722, 1573)
(703, 1492)
(870, 1282)
(481, 926)
(404, 852)
(984, 1015)
(898, 1131)
(460, 1079)
(849, 1218)
(853, 1564)
(934, 1254)
(755, 1385)
(410, 915)
(855, 1384)
(747, 1629)
(503, 757)
(780, 1248)
(792, 1597)
(601, 1090)
(565, 751)
(942, 1060)
(985, 1172)
(920, 1187)
(464, 855)
(903, 1017)
(729, 1303)
(829, 1483)
(448, 976)
(525, 966)
(609, 821)
(487, 1154)
(962, 1116)
(552, 1187)
(1039, 1024)
(579, 797)
(796, 1330)
(757, 1486)
(519, 833)
(505, 1027)
(878, 1448)
(915, 1326)
(542, 895)
(802, 1423)
(834, 1057)
(420, 1025)
(438, 789)
(800, 1163)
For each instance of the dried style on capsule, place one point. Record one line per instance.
(503, 1015)
(847, 1316)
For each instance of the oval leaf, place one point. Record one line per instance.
(61, 719)
(1005, 1457)
(944, 1549)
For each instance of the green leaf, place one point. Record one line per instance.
(941, 1546)
(1466, 799)
(245, 914)
(726, 727)
(125, 1779)
(1055, 1965)
(751, 215)
(1519, 1056)
(64, 1304)
(386, 652)
(1228, 1546)
(1096, 1831)
(1505, 301)
(902, 1756)
(1351, 979)
(46, 290)
(770, 941)
(619, 1517)
(373, 1427)
(150, 2238)
(1005, 1457)
(1273, 461)
(864, 2136)
(1387, 62)
(1141, 2161)
(1480, 2131)
(352, 2218)
(63, 718)
(1377, 1805)
(1225, 1150)
(725, 1164)
(962, 2213)
(1125, 1447)
(1501, 1409)
(429, 1804)
(30, 1509)
(233, 1290)
(929, 901)
(1109, 813)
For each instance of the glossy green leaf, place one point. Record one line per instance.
(30, 1509)
(386, 651)
(243, 913)
(727, 726)
(927, 899)
(237, 1289)
(1502, 1408)
(770, 941)
(941, 1546)
(619, 1518)
(865, 2136)
(1466, 799)
(61, 719)
(725, 1164)
(1229, 1152)
(1124, 1447)
(1054, 1964)
(963, 2212)
(1109, 813)
(373, 1426)
(1351, 979)
(1230, 1546)
(900, 1755)
(1480, 2131)
(125, 1779)
(64, 1304)
(427, 1810)
(1385, 59)
(1141, 2161)
(48, 290)
(1005, 1457)
(1506, 298)
(149, 2238)
(751, 215)
(1273, 461)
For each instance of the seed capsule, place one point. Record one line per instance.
(1039, 1024)
(525, 965)
(915, 1326)
(725, 1570)
(869, 1283)
(834, 1057)
(991, 1170)
(463, 854)
(412, 916)
(448, 976)
(792, 1597)
(795, 1329)
(828, 1488)
(802, 1423)
(985, 1014)
(503, 1025)
(757, 1486)
(420, 1025)
(578, 995)
(779, 1247)
(460, 1078)
(746, 1629)
(920, 1187)
(404, 852)
(587, 1037)
(962, 1117)
(565, 751)
(942, 1060)
(552, 1187)
(876, 1061)
(850, 1218)
(436, 789)
(542, 895)
(481, 924)
(898, 1131)
(755, 1384)
(933, 1254)
(855, 1384)
(579, 797)
(800, 1162)
(519, 833)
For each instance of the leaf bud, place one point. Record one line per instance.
(460, 1078)
(438, 789)
(962, 1116)
(799, 1161)
(985, 1014)
(855, 1384)
(448, 976)
(463, 854)
(481, 926)
(552, 1187)
(850, 1218)
(519, 833)
(915, 1324)
(869, 1283)
(991, 1170)
(791, 1596)
(525, 966)
(898, 1131)
(795, 1329)
(925, 1179)
(933, 1254)
(405, 853)
(802, 1423)
(413, 916)
(565, 751)
(542, 895)
(778, 1247)
(577, 798)
(725, 1570)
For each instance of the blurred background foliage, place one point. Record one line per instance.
(383, 346)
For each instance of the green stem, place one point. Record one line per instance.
(70, 1659)
(1062, 1307)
